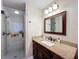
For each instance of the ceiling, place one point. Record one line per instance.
(17, 4)
(20, 4)
(40, 3)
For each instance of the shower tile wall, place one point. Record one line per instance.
(14, 43)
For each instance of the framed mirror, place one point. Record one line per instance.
(56, 24)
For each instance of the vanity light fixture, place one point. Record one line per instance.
(46, 11)
(55, 6)
(50, 9)
(16, 12)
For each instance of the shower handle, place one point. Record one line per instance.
(5, 33)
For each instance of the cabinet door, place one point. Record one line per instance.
(35, 51)
(44, 55)
(40, 52)
(55, 56)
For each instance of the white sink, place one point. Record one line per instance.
(48, 43)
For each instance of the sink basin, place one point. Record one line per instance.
(48, 43)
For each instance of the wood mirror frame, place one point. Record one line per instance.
(63, 14)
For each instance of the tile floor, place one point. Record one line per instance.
(15, 55)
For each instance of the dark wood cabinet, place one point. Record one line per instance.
(40, 52)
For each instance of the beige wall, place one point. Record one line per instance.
(33, 26)
(72, 19)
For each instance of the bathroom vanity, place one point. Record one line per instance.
(56, 51)
(43, 48)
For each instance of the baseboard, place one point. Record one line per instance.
(30, 57)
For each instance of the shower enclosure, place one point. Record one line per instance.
(12, 39)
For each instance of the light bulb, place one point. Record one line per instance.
(50, 9)
(16, 12)
(55, 6)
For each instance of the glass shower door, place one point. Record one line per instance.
(4, 34)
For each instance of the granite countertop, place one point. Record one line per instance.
(63, 50)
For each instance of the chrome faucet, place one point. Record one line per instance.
(50, 38)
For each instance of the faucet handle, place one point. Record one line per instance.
(59, 40)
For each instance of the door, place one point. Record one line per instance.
(14, 39)
(3, 32)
